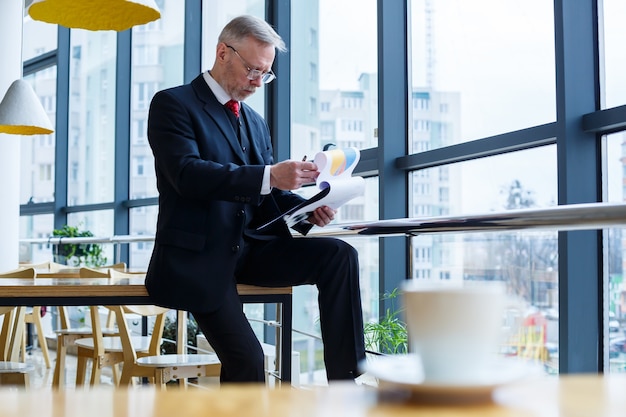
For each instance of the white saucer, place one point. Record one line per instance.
(405, 372)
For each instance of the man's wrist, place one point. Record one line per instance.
(265, 185)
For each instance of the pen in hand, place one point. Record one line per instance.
(304, 158)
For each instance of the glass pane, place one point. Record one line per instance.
(142, 222)
(100, 223)
(615, 183)
(477, 69)
(306, 319)
(335, 102)
(157, 63)
(614, 53)
(38, 38)
(91, 146)
(526, 261)
(336, 96)
(35, 227)
(306, 324)
(38, 151)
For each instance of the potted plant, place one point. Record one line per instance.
(77, 254)
(388, 335)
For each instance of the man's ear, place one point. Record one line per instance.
(221, 51)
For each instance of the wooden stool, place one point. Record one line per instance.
(168, 367)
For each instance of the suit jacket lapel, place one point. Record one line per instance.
(216, 111)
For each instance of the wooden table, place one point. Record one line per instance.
(566, 396)
(72, 291)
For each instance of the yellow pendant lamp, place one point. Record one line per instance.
(115, 15)
(21, 112)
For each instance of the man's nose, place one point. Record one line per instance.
(257, 82)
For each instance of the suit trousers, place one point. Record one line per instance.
(331, 265)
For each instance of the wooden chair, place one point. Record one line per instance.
(11, 371)
(109, 350)
(67, 335)
(33, 315)
(158, 368)
(151, 364)
(11, 332)
(139, 356)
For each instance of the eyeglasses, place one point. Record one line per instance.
(255, 74)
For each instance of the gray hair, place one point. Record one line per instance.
(243, 26)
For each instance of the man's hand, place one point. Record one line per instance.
(291, 175)
(322, 216)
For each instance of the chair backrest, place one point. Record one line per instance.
(120, 266)
(86, 272)
(142, 310)
(11, 332)
(105, 271)
(19, 273)
(158, 313)
(48, 266)
(83, 272)
(147, 311)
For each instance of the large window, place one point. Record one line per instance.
(480, 68)
(335, 102)
(38, 38)
(488, 120)
(616, 255)
(38, 151)
(157, 63)
(614, 52)
(91, 116)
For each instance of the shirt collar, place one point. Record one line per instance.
(221, 95)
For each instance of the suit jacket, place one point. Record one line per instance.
(209, 198)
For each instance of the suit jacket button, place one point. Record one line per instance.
(244, 148)
(237, 198)
(240, 213)
(235, 248)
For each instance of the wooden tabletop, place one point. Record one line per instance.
(566, 396)
(48, 291)
(70, 290)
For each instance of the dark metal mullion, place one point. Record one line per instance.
(192, 51)
(61, 169)
(89, 207)
(578, 159)
(278, 93)
(605, 121)
(40, 62)
(495, 145)
(123, 74)
(277, 108)
(37, 208)
(393, 102)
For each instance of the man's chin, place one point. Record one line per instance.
(242, 95)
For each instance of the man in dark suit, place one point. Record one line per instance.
(217, 183)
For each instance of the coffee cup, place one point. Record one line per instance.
(454, 329)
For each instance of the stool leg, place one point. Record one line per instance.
(81, 370)
(95, 372)
(58, 378)
(43, 345)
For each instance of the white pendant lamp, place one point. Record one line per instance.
(115, 15)
(21, 112)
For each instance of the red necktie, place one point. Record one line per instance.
(233, 106)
